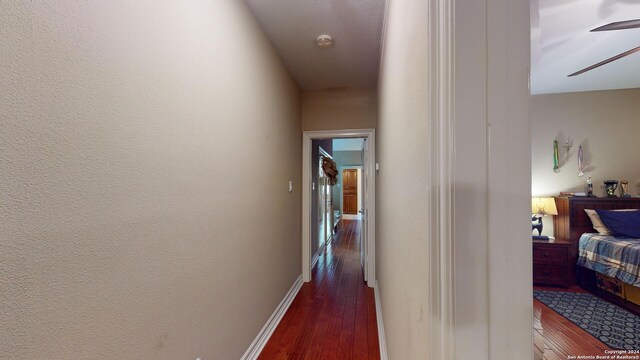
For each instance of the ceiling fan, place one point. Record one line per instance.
(619, 25)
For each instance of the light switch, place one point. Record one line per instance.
(290, 186)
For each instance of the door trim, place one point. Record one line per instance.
(441, 173)
(307, 138)
(500, 324)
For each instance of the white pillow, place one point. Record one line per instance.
(597, 222)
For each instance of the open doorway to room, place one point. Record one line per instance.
(349, 157)
(338, 192)
(586, 272)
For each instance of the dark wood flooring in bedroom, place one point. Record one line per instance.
(556, 338)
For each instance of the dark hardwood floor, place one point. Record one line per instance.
(333, 316)
(557, 338)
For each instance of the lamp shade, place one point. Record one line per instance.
(543, 206)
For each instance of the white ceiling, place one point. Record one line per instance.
(347, 144)
(561, 44)
(356, 28)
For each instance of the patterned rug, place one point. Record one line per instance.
(609, 323)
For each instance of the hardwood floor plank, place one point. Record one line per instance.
(372, 326)
(562, 337)
(332, 317)
(360, 348)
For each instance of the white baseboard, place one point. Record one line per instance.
(381, 338)
(260, 341)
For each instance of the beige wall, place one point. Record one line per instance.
(605, 123)
(339, 109)
(128, 232)
(401, 232)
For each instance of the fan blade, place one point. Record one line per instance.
(611, 59)
(619, 25)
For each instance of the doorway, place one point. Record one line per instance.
(350, 191)
(367, 207)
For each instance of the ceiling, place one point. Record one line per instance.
(561, 44)
(347, 144)
(292, 26)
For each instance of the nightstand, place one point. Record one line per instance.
(551, 265)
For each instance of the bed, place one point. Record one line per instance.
(594, 255)
(617, 258)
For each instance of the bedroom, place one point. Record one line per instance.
(594, 119)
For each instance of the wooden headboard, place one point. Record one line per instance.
(571, 221)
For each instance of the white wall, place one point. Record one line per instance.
(124, 231)
(605, 123)
(339, 109)
(401, 200)
(492, 245)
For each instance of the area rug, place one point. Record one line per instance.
(609, 323)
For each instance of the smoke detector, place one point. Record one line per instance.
(324, 41)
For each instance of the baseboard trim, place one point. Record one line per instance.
(381, 338)
(260, 341)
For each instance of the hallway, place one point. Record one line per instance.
(333, 316)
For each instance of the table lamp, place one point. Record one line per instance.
(540, 207)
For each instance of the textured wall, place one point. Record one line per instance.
(336, 109)
(128, 231)
(401, 202)
(605, 123)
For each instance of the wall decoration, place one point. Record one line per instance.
(568, 143)
(580, 162)
(330, 169)
(556, 157)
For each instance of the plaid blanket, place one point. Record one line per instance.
(615, 257)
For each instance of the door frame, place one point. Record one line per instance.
(357, 167)
(307, 138)
(323, 152)
(493, 317)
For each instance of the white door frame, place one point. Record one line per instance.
(357, 167)
(307, 138)
(326, 239)
(491, 318)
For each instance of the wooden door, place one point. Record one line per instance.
(350, 191)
